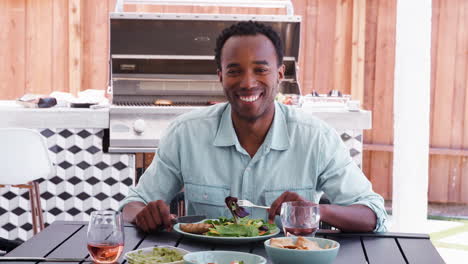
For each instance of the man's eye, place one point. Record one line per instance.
(233, 71)
(261, 70)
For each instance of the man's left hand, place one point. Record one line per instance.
(275, 208)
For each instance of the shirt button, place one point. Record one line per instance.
(248, 169)
(205, 196)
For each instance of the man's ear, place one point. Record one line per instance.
(281, 70)
(220, 75)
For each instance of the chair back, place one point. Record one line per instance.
(24, 156)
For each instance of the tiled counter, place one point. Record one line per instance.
(86, 178)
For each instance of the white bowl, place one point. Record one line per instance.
(148, 250)
(222, 257)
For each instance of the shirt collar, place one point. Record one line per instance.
(277, 137)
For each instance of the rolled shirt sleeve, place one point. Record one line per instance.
(343, 181)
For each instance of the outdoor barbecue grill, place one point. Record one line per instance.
(162, 65)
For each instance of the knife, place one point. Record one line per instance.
(39, 259)
(189, 219)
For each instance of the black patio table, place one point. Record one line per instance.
(68, 239)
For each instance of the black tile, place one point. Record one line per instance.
(55, 211)
(92, 180)
(83, 165)
(65, 164)
(83, 196)
(47, 133)
(65, 133)
(84, 134)
(119, 165)
(2, 211)
(39, 180)
(26, 226)
(74, 180)
(359, 138)
(345, 137)
(128, 181)
(89, 211)
(56, 180)
(353, 152)
(8, 227)
(46, 195)
(73, 211)
(119, 197)
(9, 195)
(110, 181)
(25, 195)
(100, 134)
(101, 165)
(74, 149)
(93, 150)
(64, 196)
(56, 149)
(18, 211)
(101, 196)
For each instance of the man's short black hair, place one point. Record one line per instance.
(248, 28)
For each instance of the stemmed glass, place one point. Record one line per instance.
(300, 218)
(105, 236)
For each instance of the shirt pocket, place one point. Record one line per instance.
(206, 200)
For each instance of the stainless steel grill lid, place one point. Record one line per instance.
(188, 34)
(173, 54)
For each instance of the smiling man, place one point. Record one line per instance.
(253, 148)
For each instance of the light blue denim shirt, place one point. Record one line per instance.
(201, 153)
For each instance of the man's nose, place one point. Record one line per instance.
(249, 80)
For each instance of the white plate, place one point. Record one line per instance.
(225, 240)
(150, 249)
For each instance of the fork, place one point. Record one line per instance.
(247, 203)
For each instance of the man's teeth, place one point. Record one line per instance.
(252, 98)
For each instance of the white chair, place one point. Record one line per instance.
(24, 157)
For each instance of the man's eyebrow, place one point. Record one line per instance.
(263, 62)
(231, 65)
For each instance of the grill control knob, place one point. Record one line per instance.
(139, 126)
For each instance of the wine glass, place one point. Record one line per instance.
(105, 236)
(300, 218)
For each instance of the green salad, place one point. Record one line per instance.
(157, 255)
(245, 227)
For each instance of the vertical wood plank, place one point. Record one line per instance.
(369, 85)
(358, 50)
(463, 52)
(323, 76)
(60, 46)
(382, 123)
(434, 50)
(38, 46)
(443, 97)
(343, 18)
(458, 105)
(309, 41)
(95, 45)
(74, 46)
(12, 48)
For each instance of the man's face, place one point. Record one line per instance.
(250, 75)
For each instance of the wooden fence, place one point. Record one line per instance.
(348, 45)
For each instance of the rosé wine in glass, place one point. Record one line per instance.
(105, 236)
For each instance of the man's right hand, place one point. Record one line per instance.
(150, 217)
